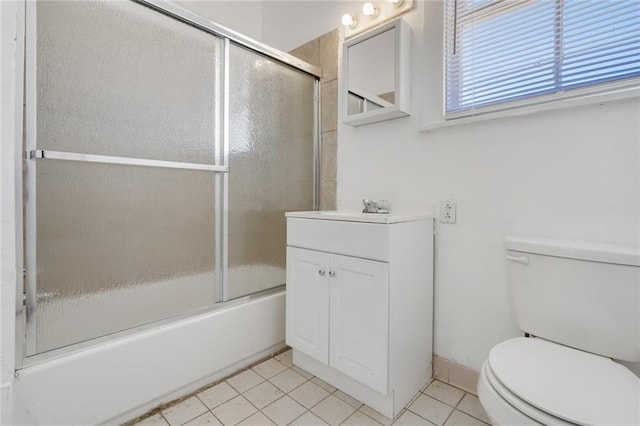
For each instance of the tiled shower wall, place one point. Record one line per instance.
(323, 53)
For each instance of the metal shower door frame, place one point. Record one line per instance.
(26, 291)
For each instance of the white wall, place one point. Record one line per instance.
(244, 16)
(289, 24)
(571, 173)
(284, 25)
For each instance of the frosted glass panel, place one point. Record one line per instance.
(271, 130)
(116, 78)
(119, 246)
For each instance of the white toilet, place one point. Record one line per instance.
(580, 303)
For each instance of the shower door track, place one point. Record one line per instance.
(154, 325)
(177, 12)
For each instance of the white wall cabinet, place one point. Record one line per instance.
(359, 302)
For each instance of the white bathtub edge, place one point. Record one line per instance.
(117, 381)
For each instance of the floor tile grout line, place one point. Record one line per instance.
(273, 402)
(209, 386)
(303, 413)
(444, 402)
(260, 409)
(279, 398)
(287, 393)
(234, 397)
(208, 411)
(164, 418)
(422, 417)
(267, 378)
(242, 420)
(216, 417)
(415, 397)
(364, 414)
(455, 407)
(257, 384)
(463, 411)
(192, 418)
(448, 417)
(223, 402)
(309, 409)
(463, 395)
(316, 404)
(404, 410)
(471, 415)
(371, 417)
(332, 393)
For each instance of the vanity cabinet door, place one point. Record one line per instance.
(359, 315)
(307, 319)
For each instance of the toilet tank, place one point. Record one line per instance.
(578, 294)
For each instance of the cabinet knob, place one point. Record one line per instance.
(321, 273)
(332, 274)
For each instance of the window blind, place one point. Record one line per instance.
(501, 51)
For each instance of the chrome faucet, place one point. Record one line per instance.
(371, 206)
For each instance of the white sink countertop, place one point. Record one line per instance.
(349, 216)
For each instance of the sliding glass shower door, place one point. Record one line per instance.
(133, 120)
(271, 134)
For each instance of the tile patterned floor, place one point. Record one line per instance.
(276, 392)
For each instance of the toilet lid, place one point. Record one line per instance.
(567, 383)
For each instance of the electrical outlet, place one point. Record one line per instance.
(448, 211)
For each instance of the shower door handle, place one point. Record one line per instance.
(108, 159)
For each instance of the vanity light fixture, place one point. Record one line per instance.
(368, 9)
(349, 21)
(373, 14)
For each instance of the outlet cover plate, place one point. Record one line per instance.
(448, 211)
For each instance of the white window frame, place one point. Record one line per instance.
(596, 93)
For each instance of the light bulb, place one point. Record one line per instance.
(369, 10)
(348, 20)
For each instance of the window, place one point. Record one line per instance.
(503, 53)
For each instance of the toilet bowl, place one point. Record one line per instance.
(582, 302)
(531, 381)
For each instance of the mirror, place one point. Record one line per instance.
(375, 75)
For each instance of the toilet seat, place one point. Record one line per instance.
(505, 409)
(554, 384)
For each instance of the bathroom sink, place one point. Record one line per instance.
(351, 216)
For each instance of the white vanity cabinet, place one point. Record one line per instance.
(359, 302)
(340, 312)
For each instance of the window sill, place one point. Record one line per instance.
(513, 111)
